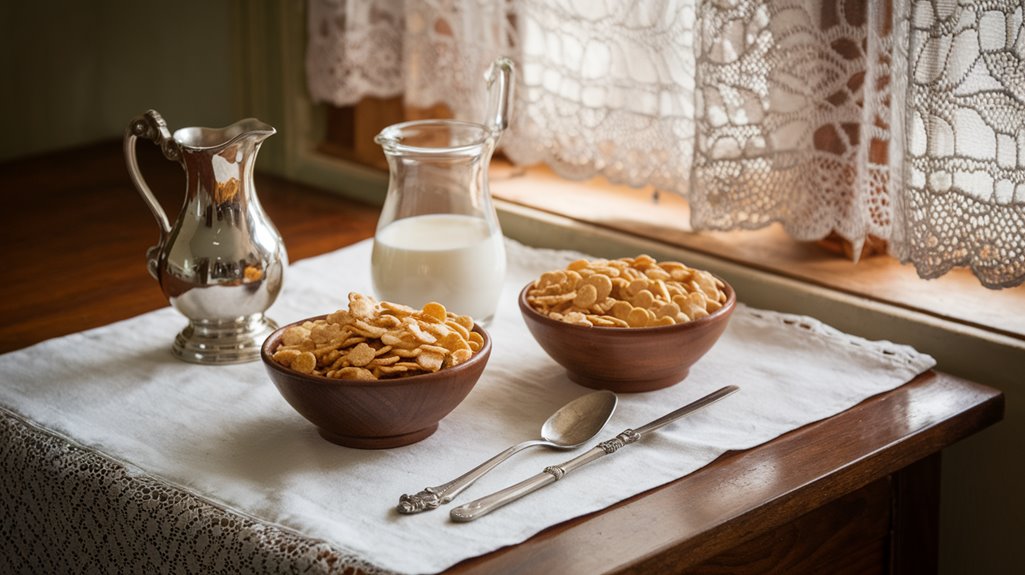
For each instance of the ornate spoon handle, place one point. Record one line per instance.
(432, 497)
(489, 503)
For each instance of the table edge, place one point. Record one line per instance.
(563, 548)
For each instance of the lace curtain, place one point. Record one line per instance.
(897, 119)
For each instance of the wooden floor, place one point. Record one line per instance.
(74, 218)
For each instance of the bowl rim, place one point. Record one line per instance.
(265, 355)
(726, 309)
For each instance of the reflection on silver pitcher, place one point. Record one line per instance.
(221, 264)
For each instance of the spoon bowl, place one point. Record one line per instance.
(575, 423)
(570, 426)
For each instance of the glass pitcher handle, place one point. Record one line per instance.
(150, 126)
(499, 79)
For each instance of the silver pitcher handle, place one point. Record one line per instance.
(150, 126)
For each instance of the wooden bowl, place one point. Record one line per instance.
(627, 360)
(375, 414)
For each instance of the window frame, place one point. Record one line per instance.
(273, 84)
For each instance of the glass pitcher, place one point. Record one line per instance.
(438, 237)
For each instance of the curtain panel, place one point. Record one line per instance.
(895, 119)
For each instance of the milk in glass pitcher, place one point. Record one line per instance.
(438, 237)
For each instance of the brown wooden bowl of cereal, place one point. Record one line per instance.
(627, 325)
(377, 375)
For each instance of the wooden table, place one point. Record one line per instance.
(856, 493)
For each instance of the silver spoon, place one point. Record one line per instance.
(571, 426)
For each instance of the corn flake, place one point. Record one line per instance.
(626, 292)
(376, 340)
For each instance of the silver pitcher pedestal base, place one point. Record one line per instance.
(223, 342)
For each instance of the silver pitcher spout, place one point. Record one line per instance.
(221, 264)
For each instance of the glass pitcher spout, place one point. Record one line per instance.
(453, 138)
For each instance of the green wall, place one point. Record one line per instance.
(77, 72)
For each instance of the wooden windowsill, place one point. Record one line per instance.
(957, 296)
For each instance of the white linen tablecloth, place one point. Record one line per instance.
(225, 434)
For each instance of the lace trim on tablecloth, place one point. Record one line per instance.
(897, 352)
(66, 506)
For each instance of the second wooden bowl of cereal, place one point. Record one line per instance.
(628, 325)
(377, 375)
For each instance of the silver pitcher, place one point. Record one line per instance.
(221, 264)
